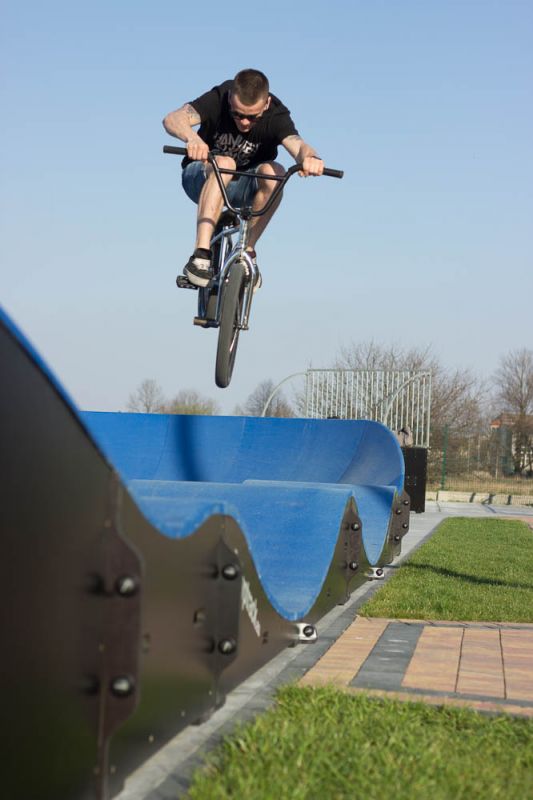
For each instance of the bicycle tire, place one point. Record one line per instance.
(228, 332)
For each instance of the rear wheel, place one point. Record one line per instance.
(228, 333)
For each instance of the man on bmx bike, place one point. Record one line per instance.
(243, 124)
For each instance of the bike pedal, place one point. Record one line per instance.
(184, 283)
(205, 323)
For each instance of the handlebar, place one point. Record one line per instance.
(182, 151)
(282, 180)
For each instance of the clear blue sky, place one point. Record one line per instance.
(426, 104)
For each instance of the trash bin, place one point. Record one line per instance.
(416, 460)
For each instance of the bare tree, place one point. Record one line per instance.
(458, 398)
(147, 398)
(458, 407)
(372, 355)
(255, 403)
(513, 382)
(189, 401)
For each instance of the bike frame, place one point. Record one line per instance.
(229, 254)
(238, 251)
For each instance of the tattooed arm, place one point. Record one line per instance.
(180, 124)
(303, 154)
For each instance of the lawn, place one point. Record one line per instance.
(323, 744)
(470, 569)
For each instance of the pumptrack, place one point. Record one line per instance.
(153, 562)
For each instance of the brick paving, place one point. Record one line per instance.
(486, 666)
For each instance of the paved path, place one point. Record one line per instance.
(487, 666)
(167, 774)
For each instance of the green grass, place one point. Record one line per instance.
(471, 569)
(323, 744)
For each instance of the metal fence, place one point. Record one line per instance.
(398, 398)
(477, 463)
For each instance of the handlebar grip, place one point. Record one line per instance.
(333, 173)
(177, 151)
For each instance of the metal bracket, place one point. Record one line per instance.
(375, 574)
(306, 633)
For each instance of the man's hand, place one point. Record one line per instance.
(311, 165)
(197, 150)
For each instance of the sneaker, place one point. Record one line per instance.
(259, 281)
(198, 268)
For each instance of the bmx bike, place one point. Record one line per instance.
(226, 302)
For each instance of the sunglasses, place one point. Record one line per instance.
(249, 117)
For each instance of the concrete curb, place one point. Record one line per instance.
(485, 498)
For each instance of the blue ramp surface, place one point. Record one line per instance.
(294, 478)
(235, 449)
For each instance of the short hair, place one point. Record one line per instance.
(251, 86)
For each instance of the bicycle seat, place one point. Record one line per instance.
(228, 219)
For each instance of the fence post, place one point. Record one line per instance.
(444, 451)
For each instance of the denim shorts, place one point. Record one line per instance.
(241, 191)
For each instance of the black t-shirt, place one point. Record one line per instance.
(219, 131)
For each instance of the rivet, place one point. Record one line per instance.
(227, 646)
(398, 510)
(397, 538)
(355, 526)
(151, 738)
(230, 572)
(308, 631)
(405, 525)
(353, 565)
(406, 502)
(127, 585)
(122, 685)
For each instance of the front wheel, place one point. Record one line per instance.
(230, 317)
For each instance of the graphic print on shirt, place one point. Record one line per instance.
(236, 147)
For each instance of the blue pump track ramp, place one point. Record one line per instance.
(152, 562)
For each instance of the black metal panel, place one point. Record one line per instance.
(67, 631)
(348, 566)
(399, 522)
(416, 476)
(262, 632)
(398, 527)
(179, 630)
